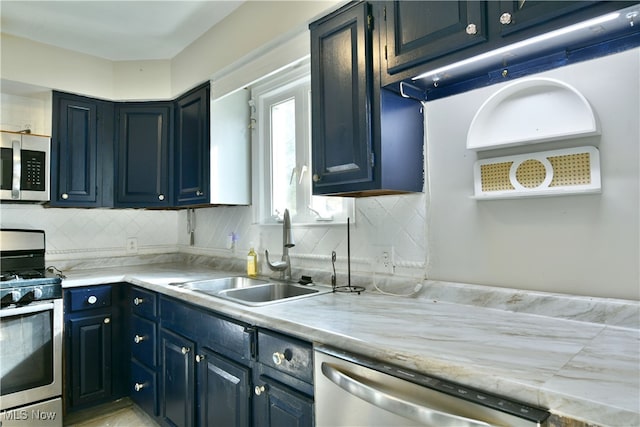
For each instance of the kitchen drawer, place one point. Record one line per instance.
(90, 297)
(143, 388)
(143, 341)
(286, 354)
(228, 338)
(144, 303)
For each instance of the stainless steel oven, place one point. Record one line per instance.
(24, 167)
(31, 320)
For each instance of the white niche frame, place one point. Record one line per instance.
(529, 111)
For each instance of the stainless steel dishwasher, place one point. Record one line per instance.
(352, 390)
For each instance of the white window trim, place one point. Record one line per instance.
(261, 161)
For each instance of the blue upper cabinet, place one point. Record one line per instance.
(144, 143)
(81, 151)
(419, 31)
(192, 144)
(131, 154)
(341, 84)
(426, 37)
(357, 151)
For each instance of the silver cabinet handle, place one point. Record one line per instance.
(92, 299)
(316, 177)
(199, 193)
(200, 358)
(137, 301)
(65, 196)
(138, 339)
(138, 386)
(185, 350)
(107, 320)
(471, 29)
(259, 389)
(160, 197)
(395, 404)
(277, 358)
(505, 18)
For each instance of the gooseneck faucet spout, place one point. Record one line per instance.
(283, 266)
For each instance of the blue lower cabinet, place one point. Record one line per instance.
(223, 391)
(177, 395)
(144, 388)
(94, 358)
(278, 405)
(90, 358)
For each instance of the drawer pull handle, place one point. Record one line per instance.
(107, 320)
(200, 358)
(92, 299)
(259, 389)
(137, 301)
(138, 386)
(138, 339)
(185, 350)
(65, 196)
(278, 357)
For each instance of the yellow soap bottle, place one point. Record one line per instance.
(252, 262)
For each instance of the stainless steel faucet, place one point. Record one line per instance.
(283, 266)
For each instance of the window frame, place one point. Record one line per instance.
(265, 93)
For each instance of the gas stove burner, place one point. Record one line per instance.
(21, 275)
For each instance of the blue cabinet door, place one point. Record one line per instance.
(223, 391)
(90, 358)
(279, 405)
(341, 86)
(144, 144)
(191, 178)
(177, 390)
(81, 151)
(419, 31)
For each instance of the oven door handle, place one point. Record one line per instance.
(27, 309)
(397, 405)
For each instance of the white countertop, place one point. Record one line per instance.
(581, 370)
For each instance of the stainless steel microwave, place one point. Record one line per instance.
(24, 170)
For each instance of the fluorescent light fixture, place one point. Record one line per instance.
(522, 45)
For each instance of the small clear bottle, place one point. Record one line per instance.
(252, 262)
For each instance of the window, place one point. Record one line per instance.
(281, 117)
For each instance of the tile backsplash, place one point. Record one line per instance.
(396, 222)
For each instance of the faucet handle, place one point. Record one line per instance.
(276, 266)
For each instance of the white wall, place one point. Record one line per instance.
(580, 244)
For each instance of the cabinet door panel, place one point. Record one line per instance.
(74, 150)
(178, 388)
(143, 388)
(223, 392)
(341, 83)
(419, 31)
(90, 358)
(192, 147)
(143, 155)
(532, 13)
(284, 407)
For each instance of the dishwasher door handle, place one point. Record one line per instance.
(396, 404)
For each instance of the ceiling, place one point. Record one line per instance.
(116, 30)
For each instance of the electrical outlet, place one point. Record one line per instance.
(384, 259)
(132, 245)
